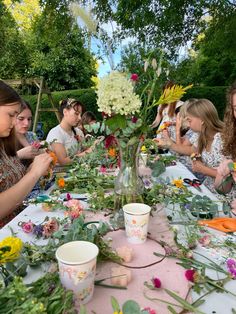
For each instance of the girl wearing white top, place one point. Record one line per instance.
(64, 137)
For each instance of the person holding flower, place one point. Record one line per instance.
(202, 117)
(166, 115)
(64, 138)
(226, 175)
(28, 144)
(15, 182)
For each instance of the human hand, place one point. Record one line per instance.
(41, 164)
(223, 169)
(163, 143)
(28, 152)
(197, 166)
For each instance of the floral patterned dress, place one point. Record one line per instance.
(11, 171)
(212, 159)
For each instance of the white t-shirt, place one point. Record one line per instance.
(59, 135)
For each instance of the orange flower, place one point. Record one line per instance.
(54, 157)
(112, 152)
(61, 183)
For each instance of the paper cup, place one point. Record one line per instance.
(77, 266)
(136, 216)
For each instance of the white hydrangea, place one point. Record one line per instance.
(116, 95)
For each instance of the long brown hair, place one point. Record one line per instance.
(229, 131)
(8, 96)
(171, 109)
(206, 111)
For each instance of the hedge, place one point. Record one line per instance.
(216, 94)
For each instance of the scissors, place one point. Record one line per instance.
(194, 183)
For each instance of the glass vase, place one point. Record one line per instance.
(129, 186)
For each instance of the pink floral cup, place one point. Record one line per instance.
(136, 217)
(77, 267)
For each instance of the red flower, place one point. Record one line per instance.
(149, 310)
(156, 282)
(134, 119)
(134, 77)
(190, 274)
(109, 141)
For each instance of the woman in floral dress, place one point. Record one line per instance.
(15, 182)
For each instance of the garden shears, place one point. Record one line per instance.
(194, 183)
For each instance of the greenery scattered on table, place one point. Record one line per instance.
(45, 295)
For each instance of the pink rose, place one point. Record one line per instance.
(149, 310)
(73, 204)
(206, 240)
(190, 274)
(156, 282)
(28, 227)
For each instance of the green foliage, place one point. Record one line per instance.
(13, 52)
(216, 94)
(86, 96)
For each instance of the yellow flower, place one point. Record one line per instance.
(120, 312)
(172, 94)
(179, 183)
(143, 149)
(10, 248)
(234, 166)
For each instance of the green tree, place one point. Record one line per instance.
(14, 60)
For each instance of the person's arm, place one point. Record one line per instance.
(157, 120)
(12, 197)
(198, 166)
(60, 151)
(28, 152)
(181, 149)
(222, 173)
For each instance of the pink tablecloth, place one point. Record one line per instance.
(170, 274)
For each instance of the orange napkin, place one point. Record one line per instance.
(221, 224)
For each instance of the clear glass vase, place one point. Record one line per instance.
(129, 186)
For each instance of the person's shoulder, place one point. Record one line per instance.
(55, 132)
(79, 132)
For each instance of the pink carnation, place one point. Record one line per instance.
(73, 204)
(103, 169)
(36, 144)
(28, 227)
(50, 227)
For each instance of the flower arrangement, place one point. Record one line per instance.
(45, 229)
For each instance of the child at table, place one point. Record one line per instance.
(166, 115)
(202, 118)
(229, 149)
(15, 182)
(25, 138)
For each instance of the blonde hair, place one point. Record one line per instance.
(183, 111)
(206, 111)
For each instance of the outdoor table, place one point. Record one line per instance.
(171, 275)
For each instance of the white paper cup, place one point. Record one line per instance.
(136, 216)
(77, 267)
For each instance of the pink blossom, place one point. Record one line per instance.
(73, 204)
(156, 282)
(134, 77)
(189, 274)
(149, 310)
(50, 227)
(36, 144)
(28, 227)
(231, 265)
(103, 169)
(205, 240)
